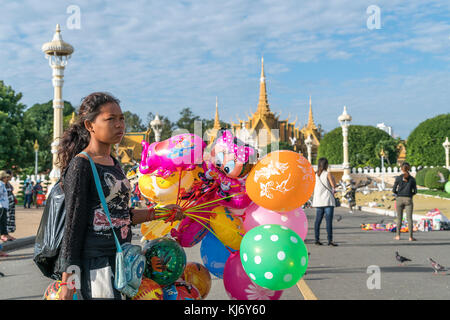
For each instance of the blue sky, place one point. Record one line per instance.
(162, 56)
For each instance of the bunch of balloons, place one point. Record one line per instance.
(246, 215)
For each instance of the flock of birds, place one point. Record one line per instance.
(436, 266)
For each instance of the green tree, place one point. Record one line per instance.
(362, 141)
(187, 120)
(389, 146)
(38, 120)
(14, 146)
(424, 144)
(133, 123)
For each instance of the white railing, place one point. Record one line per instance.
(32, 177)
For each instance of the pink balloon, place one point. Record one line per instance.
(180, 152)
(189, 232)
(295, 219)
(239, 286)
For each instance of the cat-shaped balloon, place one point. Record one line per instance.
(231, 161)
(180, 152)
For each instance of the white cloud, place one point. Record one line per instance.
(155, 55)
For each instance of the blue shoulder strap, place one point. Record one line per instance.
(101, 195)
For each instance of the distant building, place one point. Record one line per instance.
(264, 127)
(385, 128)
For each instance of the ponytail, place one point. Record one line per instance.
(76, 138)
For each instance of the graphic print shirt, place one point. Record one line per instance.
(87, 229)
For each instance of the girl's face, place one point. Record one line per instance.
(109, 126)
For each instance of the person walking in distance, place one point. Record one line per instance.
(323, 201)
(404, 189)
(28, 193)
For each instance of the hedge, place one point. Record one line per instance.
(420, 176)
(424, 144)
(432, 178)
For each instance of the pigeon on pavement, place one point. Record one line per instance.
(436, 266)
(338, 218)
(400, 258)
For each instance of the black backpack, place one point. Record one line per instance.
(50, 234)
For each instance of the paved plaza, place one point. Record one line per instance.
(333, 272)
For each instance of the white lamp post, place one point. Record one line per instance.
(308, 143)
(156, 125)
(383, 155)
(58, 52)
(344, 120)
(446, 145)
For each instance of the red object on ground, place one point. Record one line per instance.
(40, 198)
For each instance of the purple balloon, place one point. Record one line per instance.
(189, 232)
(239, 286)
(295, 219)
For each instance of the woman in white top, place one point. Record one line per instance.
(323, 200)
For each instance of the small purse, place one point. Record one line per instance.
(130, 263)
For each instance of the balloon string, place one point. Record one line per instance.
(198, 221)
(218, 223)
(179, 186)
(206, 204)
(207, 193)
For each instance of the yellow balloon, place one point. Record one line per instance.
(165, 191)
(157, 229)
(228, 228)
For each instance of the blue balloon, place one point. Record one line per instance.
(214, 254)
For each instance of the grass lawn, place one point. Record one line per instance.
(441, 194)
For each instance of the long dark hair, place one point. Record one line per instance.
(322, 165)
(407, 167)
(77, 137)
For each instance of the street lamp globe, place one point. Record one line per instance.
(345, 118)
(156, 124)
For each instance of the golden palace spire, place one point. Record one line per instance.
(263, 104)
(216, 118)
(311, 124)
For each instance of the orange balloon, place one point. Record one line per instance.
(198, 276)
(149, 290)
(281, 181)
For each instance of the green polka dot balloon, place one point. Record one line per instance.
(274, 256)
